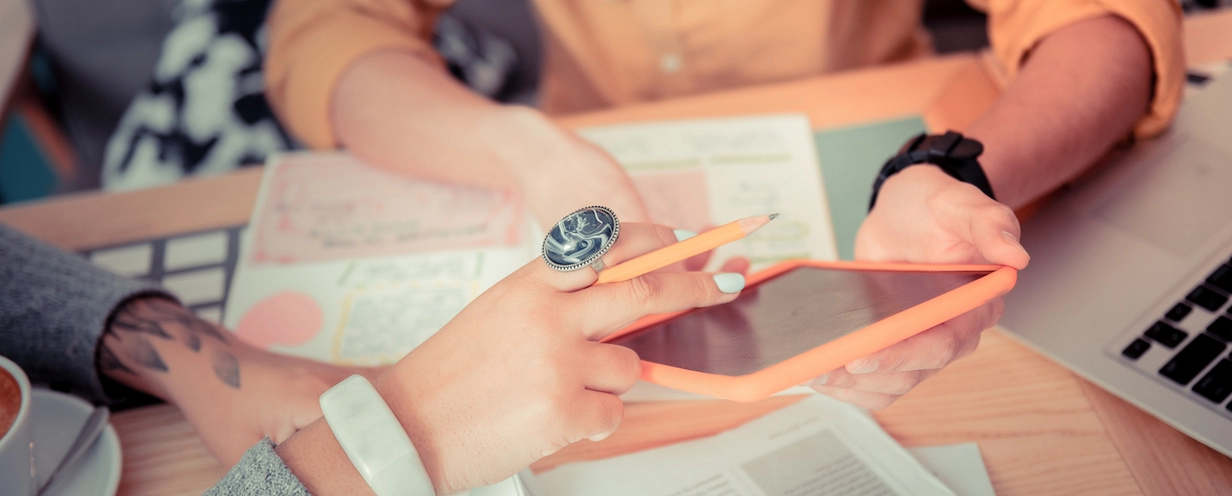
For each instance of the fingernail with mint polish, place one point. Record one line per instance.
(862, 366)
(729, 282)
(683, 234)
(819, 381)
(1013, 241)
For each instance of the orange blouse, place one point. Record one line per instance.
(602, 53)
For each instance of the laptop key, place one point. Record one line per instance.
(1194, 357)
(1221, 278)
(1178, 312)
(1221, 328)
(1206, 298)
(1216, 385)
(1165, 334)
(1135, 349)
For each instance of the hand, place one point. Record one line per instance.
(518, 374)
(925, 216)
(232, 394)
(559, 172)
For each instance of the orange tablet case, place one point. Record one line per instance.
(822, 359)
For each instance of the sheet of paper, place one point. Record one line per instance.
(959, 466)
(364, 271)
(816, 447)
(696, 174)
(321, 207)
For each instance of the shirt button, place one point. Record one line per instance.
(670, 63)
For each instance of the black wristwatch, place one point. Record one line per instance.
(953, 153)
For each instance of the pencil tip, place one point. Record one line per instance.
(773, 215)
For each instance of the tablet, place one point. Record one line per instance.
(798, 320)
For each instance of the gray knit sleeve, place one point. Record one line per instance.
(54, 306)
(261, 472)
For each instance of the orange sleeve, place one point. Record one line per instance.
(1016, 26)
(311, 43)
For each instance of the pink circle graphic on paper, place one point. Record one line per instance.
(289, 319)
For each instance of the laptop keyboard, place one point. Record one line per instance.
(1197, 344)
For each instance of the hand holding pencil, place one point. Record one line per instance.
(696, 245)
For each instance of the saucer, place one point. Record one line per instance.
(56, 418)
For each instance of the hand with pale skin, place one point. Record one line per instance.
(559, 172)
(232, 393)
(519, 373)
(1082, 89)
(398, 111)
(925, 216)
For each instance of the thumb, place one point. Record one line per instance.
(993, 229)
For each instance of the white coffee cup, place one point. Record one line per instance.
(17, 446)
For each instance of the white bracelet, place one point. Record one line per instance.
(374, 440)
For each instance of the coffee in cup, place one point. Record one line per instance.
(10, 401)
(16, 447)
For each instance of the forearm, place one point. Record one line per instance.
(1081, 90)
(398, 111)
(157, 346)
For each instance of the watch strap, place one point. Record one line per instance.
(954, 154)
(374, 440)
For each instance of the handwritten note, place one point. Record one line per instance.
(330, 206)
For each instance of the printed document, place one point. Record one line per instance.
(816, 447)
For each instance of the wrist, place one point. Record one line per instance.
(995, 160)
(523, 140)
(953, 153)
(918, 180)
(398, 394)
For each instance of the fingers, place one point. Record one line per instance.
(607, 307)
(739, 265)
(601, 415)
(995, 232)
(612, 369)
(635, 239)
(991, 227)
(934, 348)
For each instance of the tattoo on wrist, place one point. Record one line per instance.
(127, 343)
(227, 369)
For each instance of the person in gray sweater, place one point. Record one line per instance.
(517, 375)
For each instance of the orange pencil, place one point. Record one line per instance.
(696, 245)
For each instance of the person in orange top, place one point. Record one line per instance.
(362, 74)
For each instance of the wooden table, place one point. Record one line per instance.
(1040, 428)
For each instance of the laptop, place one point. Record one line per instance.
(1131, 273)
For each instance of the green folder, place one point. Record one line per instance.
(850, 158)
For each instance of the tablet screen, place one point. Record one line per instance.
(786, 316)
